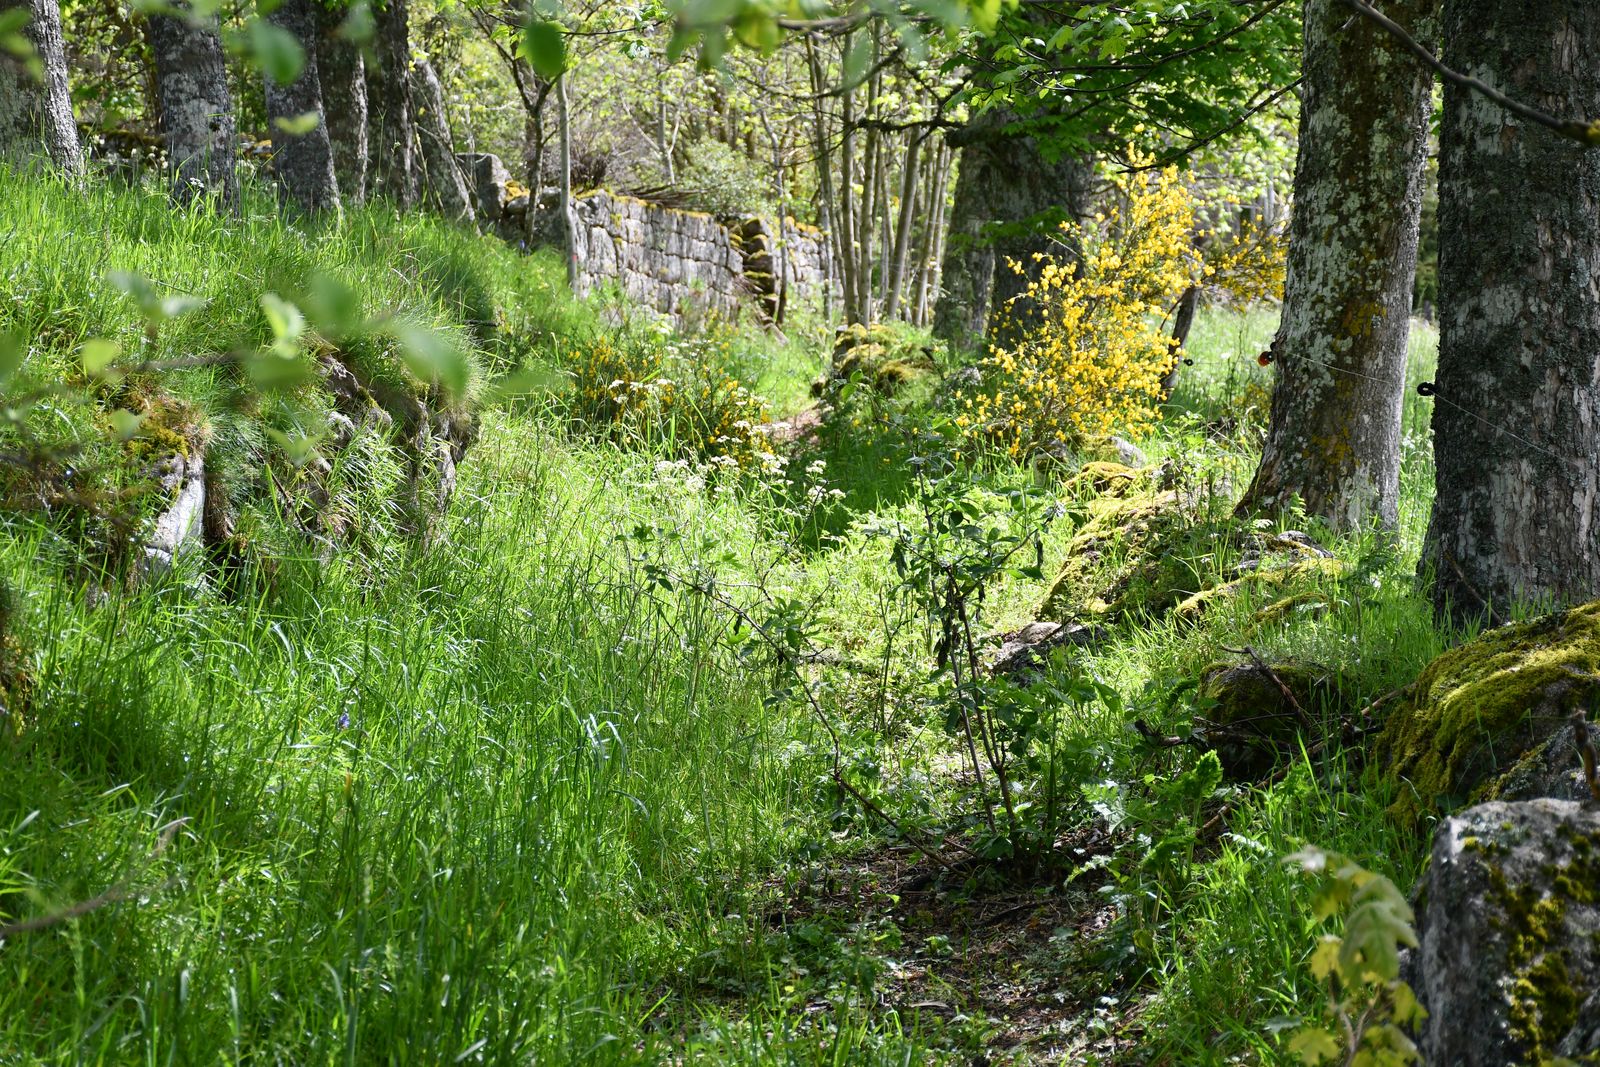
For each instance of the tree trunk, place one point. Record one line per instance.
(393, 172)
(1333, 438)
(197, 120)
(343, 74)
(847, 222)
(1009, 203)
(902, 231)
(1517, 409)
(569, 217)
(303, 162)
(1182, 322)
(446, 189)
(37, 112)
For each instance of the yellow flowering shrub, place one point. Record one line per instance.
(1249, 266)
(1090, 354)
(674, 394)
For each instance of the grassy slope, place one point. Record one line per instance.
(500, 799)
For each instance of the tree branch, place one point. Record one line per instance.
(1584, 132)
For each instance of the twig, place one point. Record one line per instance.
(1288, 694)
(121, 891)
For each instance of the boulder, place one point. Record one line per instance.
(1486, 719)
(1508, 965)
(1024, 653)
(1257, 714)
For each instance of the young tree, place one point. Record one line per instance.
(35, 106)
(343, 74)
(1333, 439)
(393, 171)
(1516, 421)
(197, 121)
(302, 154)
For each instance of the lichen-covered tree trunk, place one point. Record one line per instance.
(1009, 203)
(391, 160)
(197, 120)
(1516, 420)
(303, 161)
(446, 189)
(37, 112)
(344, 102)
(1333, 439)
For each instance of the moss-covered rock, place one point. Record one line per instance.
(885, 358)
(1148, 546)
(1257, 714)
(1481, 709)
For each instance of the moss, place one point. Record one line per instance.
(1478, 709)
(1541, 1000)
(1117, 563)
(1275, 575)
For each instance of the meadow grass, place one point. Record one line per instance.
(510, 797)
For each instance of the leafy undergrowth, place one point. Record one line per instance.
(642, 759)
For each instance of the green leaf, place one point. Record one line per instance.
(544, 46)
(1312, 1045)
(12, 354)
(285, 320)
(299, 125)
(124, 424)
(97, 354)
(275, 51)
(433, 357)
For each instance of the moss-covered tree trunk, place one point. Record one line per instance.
(344, 101)
(1516, 420)
(197, 122)
(36, 112)
(1010, 200)
(391, 158)
(1333, 439)
(301, 158)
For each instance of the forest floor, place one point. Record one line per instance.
(524, 791)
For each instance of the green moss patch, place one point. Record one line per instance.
(1475, 711)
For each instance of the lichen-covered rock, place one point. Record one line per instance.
(1509, 924)
(1487, 718)
(1024, 653)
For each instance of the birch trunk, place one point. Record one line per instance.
(1516, 418)
(303, 162)
(197, 122)
(1333, 439)
(37, 112)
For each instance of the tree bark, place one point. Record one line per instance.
(37, 112)
(1333, 439)
(902, 232)
(1182, 323)
(446, 189)
(569, 215)
(303, 162)
(197, 120)
(343, 74)
(391, 160)
(1009, 202)
(1516, 414)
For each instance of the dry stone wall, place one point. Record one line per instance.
(686, 264)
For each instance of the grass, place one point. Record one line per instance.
(509, 796)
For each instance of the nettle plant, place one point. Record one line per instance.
(1025, 765)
